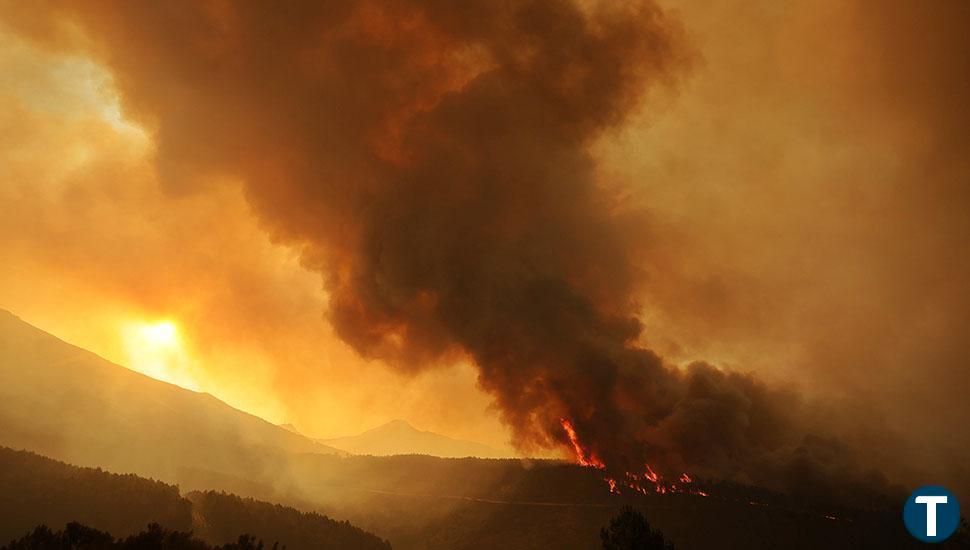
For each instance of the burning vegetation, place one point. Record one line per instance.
(645, 482)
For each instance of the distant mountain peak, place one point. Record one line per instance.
(397, 424)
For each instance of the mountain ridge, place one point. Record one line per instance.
(73, 405)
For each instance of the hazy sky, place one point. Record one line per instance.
(96, 252)
(804, 174)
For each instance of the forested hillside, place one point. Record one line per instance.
(224, 514)
(76, 536)
(38, 491)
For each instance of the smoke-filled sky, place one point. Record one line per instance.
(485, 216)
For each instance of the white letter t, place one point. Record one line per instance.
(931, 503)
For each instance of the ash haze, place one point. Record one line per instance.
(732, 240)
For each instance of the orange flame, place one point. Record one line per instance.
(612, 484)
(658, 485)
(633, 481)
(582, 457)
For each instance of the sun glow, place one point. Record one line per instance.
(161, 334)
(156, 349)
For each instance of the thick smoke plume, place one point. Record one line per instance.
(432, 160)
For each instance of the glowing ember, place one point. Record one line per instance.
(612, 483)
(582, 457)
(652, 482)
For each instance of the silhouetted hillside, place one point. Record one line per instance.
(400, 438)
(222, 512)
(81, 537)
(35, 490)
(67, 403)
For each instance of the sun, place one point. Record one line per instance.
(156, 349)
(163, 333)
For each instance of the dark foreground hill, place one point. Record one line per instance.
(422, 502)
(77, 536)
(473, 503)
(223, 514)
(35, 490)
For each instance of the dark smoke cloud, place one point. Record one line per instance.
(432, 160)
